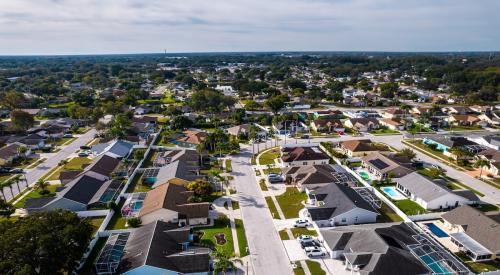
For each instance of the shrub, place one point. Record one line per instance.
(43, 192)
(134, 222)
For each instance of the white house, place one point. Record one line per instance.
(431, 195)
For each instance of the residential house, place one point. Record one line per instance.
(170, 202)
(243, 130)
(314, 176)
(357, 148)
(458, 110)
(493, 157)
(381, 248)
(419, 110)
(11, 152)
(396, 124)
(474, 232)
(433, 195)
(31, 141)
(328, 125)
(362, 124)
(33, 112)
(157, 248)
(491, 141)
(337, 204)
(464, 120)
(381, 166)
(178, 171)
(288, 127)
(393, 113)
(115, 148)
(490, 116)
(191, 139)
(445, 144)
(335, 114)
(304, 155)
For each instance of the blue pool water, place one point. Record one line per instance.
(435, 266)
(436, 230)
(390, 191)
(137, 205)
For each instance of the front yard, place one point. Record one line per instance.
(242, 239)
(223, 244)
(77, 163)
(61, 141)
(272, 208)
(479, 267)
(36, 194)
(269, 156)
(384, 131)
(291, 202)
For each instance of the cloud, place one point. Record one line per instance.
(121, 26)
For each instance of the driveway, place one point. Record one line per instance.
(32, 175)
(268, 255)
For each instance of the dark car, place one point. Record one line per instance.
(309, 243)
(85, 147)
(17, 171)
(305, 137)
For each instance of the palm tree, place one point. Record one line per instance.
(481, 164)
(252, 134)
(2, 185)
(16, 180)
(405, 108)
(41, 184)
(407, 152)
(222, 262)
(201, 148)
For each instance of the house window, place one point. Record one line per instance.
(304, 163)
(344, 220)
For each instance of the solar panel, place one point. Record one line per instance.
(379, 164)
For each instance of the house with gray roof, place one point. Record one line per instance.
(475, 233)
(314, 176)
(432, 195)
(374, 249)
(155, 248)
(336, 204)
(117, 148)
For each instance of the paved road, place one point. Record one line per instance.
(32, 175)
(492, 194)
(267, 253)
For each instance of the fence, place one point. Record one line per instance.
(427, 216)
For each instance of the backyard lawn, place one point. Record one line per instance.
(387, 214)
(242, 238)
(479, 267)
(96, 223)
(36, 194)
(272, 170)
(409, 207)
(272, 208)
(220, 226)
(291, 202)
(136, 185)
(269, 156)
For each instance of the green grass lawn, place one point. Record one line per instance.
(272, 170)
(419, 128)
(269, 156)
(96, 223)
(486, 207)
(387, 214)
(136, 185)
(5, 177)
(26, 162)
(315, 267)
(242, 238)
(220, 226)
(303, 231)
(298, 270)
(148, 162)
(465, 128)
(272, 208)
(283, 235)
(35, 194)
(291, 202)
(77, 163)
(409, 207)
(262, 184)
(479, 267)
(61, 141)
(385, 131)
(228, 166)
(235, 204)
(117, 222)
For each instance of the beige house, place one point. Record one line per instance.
(170, 202)
(357, 148)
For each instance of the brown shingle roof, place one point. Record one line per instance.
(105, 165)
(174, 197)
(361, 145)
(323, 122)
(304, 154)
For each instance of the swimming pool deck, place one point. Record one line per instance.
(397, 196)
(445, 241)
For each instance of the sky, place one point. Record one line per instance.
(152, 26)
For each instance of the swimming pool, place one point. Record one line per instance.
(393, 193)
(437, 267)
(364, 174)
(436, 230)
(137, 205)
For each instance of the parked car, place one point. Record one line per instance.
(304, 238)
(305, 137)
(17, 171)
(311, 248)
(274, 178)
(67, 136)
(316, 252)
(83, 154)
(85, 147)
(301, 223)
(309, 244)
